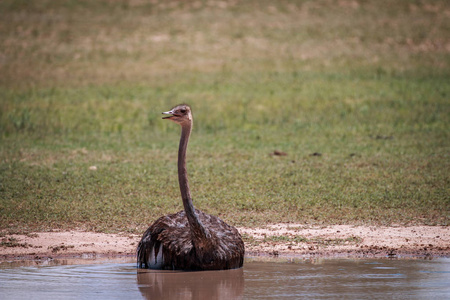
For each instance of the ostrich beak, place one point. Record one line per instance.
(170, 112)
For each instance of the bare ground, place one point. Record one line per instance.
(272, 240)
(350, 241)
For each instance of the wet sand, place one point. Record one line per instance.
(351, 241)
(272, 240)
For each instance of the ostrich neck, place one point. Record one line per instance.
(182, 172)
(199, 233)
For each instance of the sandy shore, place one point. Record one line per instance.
(350, 241)
(275, 240)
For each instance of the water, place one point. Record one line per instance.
(259, 279)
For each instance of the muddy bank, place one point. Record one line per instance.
(272, 240)
(349, 241)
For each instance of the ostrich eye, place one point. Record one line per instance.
(183, 111)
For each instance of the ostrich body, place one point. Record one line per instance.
(189, 239)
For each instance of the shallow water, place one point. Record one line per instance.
(259, 279)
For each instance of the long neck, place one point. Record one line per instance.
(197, 229)
(182, 172)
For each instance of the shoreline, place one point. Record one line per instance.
(301, 241)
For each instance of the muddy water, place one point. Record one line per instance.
(259, 279)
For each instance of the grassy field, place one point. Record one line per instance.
(355, 92)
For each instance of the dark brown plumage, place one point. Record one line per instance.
(189, 239)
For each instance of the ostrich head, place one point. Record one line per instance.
(180, 114)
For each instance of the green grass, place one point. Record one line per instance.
(363, 83)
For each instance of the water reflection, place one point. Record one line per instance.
(350, 279)
(227, 284)
(259, 279)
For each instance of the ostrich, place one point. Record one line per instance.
(189, 239)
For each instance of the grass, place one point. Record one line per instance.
(11, 242)
(292, 240)
(363, 83)
(56, 249)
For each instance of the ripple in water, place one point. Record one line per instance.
(259, 279)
